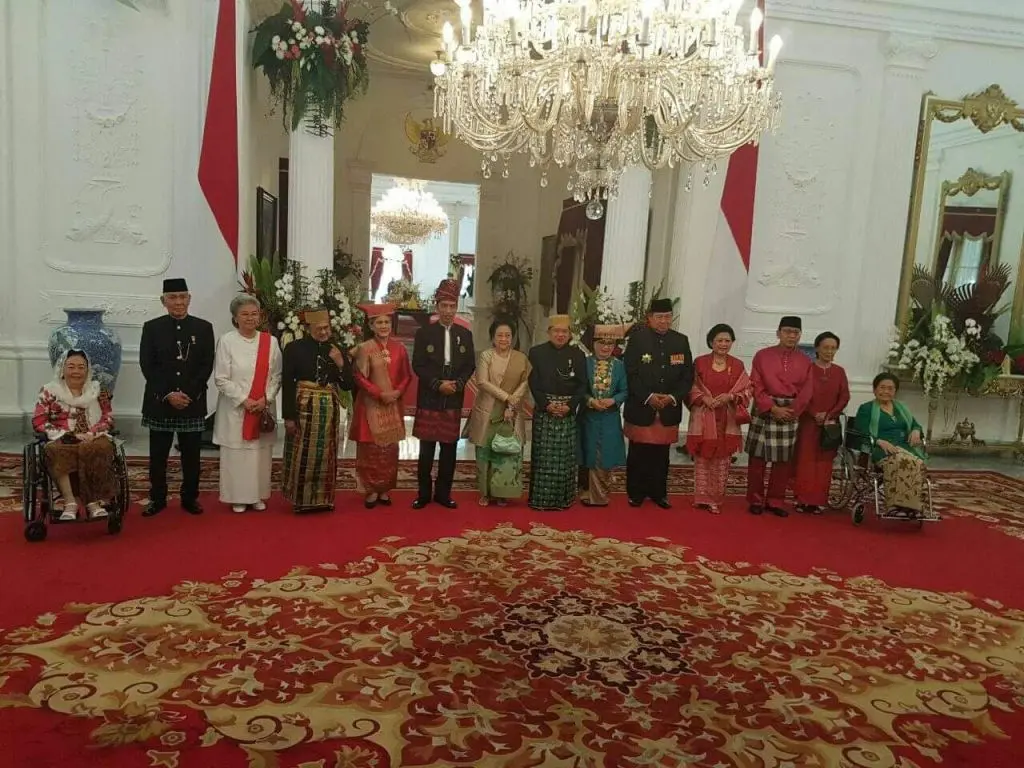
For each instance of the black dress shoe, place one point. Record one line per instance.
(154, 508)
(756, 509)
(420, 503)
(635, 502)
(446, 503)
(778, 511)
(192, 507)
(370, 504)
(384, 501)
(663, 503)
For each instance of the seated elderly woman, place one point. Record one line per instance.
(75, 415)
(898, 446)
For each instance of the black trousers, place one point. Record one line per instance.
(647, 471)
(445, 471)
(189, 443)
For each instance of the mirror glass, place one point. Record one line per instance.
(966, 211)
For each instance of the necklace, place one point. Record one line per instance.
(825, 371)
(183, 352)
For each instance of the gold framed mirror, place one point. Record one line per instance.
(964, 211)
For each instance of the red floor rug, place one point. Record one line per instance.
(487, 637)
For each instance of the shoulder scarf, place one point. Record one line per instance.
(251, 420)
(899, 411)
(702, 420)
(384, 419)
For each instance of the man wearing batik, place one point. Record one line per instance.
(604, 448)
(659, 370)
(443, 359)
(559, 386)
(314, 372)
(176, 355)
(783, 387)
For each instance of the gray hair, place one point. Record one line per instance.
(242, 300)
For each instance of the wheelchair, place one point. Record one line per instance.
(40, 492)
(857, 481)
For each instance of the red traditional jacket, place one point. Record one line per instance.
(58, 411)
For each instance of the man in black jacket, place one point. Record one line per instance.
(176, 356)
(659, 371)
(443, 360)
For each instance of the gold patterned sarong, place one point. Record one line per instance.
(311, 454)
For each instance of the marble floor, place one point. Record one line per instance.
(137, 445)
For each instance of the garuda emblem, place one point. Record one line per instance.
(427, 139)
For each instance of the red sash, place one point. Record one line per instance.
(251, 422)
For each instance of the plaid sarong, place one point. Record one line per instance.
(554, 462)
(769, 439)
(311, 455)
(178, 424)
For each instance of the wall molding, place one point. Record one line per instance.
(36, 351)
(960, 24)
(122, 310)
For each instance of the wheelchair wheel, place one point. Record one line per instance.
(858, 513)
(28, 483)
(842, 488)
(123, 500)
(35, 531)
(114, 523)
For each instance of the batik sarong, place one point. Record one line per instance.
(376, 468)
(311, 454)
(903, 474)
(554, 461)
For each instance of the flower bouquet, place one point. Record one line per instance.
(937, 359)
(314, 60)
(405, 294)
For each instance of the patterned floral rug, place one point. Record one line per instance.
(993, 498)
(524, 647)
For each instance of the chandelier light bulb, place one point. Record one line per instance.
(448, 33)
(774, 48)
(437, 67)
(756, 20)
(466, 15)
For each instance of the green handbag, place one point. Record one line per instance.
(505, 440)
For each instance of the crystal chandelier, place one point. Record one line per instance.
(602, 85)
(407, 215)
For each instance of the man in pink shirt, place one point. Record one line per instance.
(783, 387)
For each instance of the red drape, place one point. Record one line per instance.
(218, 158)
(376, 271)
(407, 264)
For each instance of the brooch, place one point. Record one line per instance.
(646, 358)
(462, 350)
(430, 349)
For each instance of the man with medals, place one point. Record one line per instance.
(314, 371)
(659, 370)
(783, 388)
(176, 356)
(558, 381)
(443, 359)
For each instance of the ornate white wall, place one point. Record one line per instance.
(834, 183)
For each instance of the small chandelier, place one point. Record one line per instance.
(407, 215)
(603, 85)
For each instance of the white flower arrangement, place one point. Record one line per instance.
(934, 363)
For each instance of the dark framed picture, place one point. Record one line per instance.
(266, 225)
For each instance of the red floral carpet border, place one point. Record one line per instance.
(509, 647)
(990, 497)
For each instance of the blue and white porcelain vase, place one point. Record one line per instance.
(85, 330)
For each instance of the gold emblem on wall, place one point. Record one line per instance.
(427, 139)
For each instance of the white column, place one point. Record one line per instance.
(625, 232)
(311, 194)
(908, 57)
(311, 199)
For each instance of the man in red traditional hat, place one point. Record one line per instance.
(443, 359)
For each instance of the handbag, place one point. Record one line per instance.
(505, 441)
(831, 436)
(742, 415)
(268, 423)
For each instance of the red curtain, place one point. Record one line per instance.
(407, 264)
(976, 222)
(376, 271)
